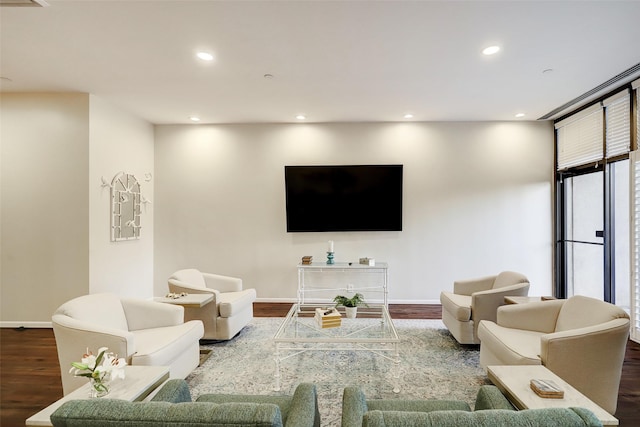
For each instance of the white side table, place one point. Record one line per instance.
(513, 381)
(139, 382)
(187, 301)
(524, 300)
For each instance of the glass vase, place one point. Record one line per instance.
(98, 387)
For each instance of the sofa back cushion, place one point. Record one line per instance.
(580, 311)
(508, 278)
(101, 412)
(191, 276)
(104, 310)
(566, 417)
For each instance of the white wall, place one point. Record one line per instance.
(45, 208)
(55, 242)
(477, 200)
(120, 142)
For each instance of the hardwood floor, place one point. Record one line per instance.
(30, 376)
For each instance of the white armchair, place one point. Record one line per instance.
(143, 332)
(582, 340)
(231, 308)
(478, 299)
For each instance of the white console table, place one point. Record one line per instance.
(319, 282)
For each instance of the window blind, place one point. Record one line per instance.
(580, 138)
(636, 85)
(635, 245)
(618, 124)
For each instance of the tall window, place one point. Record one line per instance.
(592, 251)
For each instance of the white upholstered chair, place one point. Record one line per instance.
(473, 300)
(231, 308)
(582, 340)
(143, 332)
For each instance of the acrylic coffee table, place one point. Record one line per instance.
(372, 330)
(139, 382)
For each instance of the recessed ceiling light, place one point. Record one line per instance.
(205, 56)
(268, 76)
(194, 118)
(301, 117)
(547, 71)
(408, 116)
(491, 50)
(520, 115)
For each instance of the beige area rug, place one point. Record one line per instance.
(433, 366)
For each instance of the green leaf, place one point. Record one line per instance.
(79, 365)
(99, 359)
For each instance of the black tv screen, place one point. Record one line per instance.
(343, 198)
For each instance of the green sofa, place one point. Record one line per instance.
(491, 409)
(172, 406)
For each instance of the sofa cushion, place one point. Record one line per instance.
(459, 306)
(191, 276)
(160, 346)
(416, 405)
(232, 303)
(283, 402)
(511, 346)
(103, 310)
(549, 417)
(580, 311)
(112, 412)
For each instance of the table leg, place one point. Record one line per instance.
(396, 368)
(277, 374)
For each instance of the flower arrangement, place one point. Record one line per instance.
(100, 370)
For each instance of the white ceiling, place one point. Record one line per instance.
(331, 60)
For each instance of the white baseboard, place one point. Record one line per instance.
(25, 324)
(13, 324)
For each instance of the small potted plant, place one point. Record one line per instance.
(350, 304)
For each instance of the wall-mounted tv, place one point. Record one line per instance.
(343, 198)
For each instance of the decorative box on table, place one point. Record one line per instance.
(328, 317)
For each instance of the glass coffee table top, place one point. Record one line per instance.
(372, 325)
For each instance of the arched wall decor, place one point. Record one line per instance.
(125, 207)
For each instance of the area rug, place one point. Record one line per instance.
(433, 366)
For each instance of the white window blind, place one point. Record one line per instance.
(580, 138)
(636, 86)
(635, 245)
(618, 124)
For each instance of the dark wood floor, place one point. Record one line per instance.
(30, 375)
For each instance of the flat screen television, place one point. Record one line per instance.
(343, 198)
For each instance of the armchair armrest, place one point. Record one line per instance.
(490, 397)
(469, 286)
(484, 304)
(534, 316)
(173, 391)
(354, 406)
(569, 345)
(304, 403)
(69, 330)
(222, 283)
(149, 314)
(578, 356)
